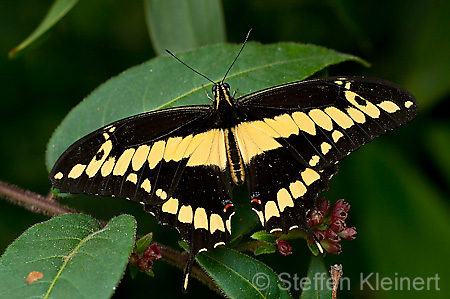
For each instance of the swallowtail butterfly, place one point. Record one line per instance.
(284, 142)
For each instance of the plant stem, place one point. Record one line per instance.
(32, 201)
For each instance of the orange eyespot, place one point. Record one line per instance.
(256, 200)
(227, 206)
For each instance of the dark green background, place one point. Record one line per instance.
(398, 185)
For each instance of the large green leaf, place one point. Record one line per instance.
(56, 12)
(163, 82)
(78, 258)
(241, 276)
(181, 25)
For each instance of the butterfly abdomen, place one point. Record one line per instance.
(234, 157)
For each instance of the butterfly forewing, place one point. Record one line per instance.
(321, 121)
(129, 157)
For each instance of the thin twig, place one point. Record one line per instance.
(32, 201)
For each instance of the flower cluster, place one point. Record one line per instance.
(144, 261)
(330, 229)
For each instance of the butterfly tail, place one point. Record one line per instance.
(187, 271)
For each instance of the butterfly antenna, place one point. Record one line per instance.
(242, 48)
(195, 71)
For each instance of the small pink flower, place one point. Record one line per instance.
(144, 261)
(348, 233)
(330, 229)
(315, 218)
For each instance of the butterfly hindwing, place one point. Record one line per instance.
(283, 190)
(200, 208)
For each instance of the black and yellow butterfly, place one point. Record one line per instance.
(284, 142)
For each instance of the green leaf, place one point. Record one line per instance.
(265, 248)
(143, 243)
(262, 235)
(56, 12)
(78, 258)
(163, 82)
(317, 285)
(183, 25)
(241, 276)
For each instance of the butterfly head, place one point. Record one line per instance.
(221, 92)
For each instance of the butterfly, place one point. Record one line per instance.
(284, 142)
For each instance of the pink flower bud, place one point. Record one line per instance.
(284, 247)
(348, 233)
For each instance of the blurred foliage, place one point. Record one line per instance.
(397, 186)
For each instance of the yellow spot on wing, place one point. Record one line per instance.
(95, 164)
(132, 177)
(161, 194)
(356, 115)
(156, 153)
(260, 215)
(314, 160)
(297, 189)
(336, 135)
(278, 127)
(123, 162)
(228, 224)
(140, 157)
(263, 126)
(408, 104)
(288, 123)
(271, 210)
(185, 214)
(309, 176)
(200, 155)
(59, 175)
(369, 108)
(76, 171)
(216, 223)
(339, 117)
(182, 147)
(146, 185)
(284, 199)
(196, 140)
(218, 154)
(200, 218)
(171, 147)
(170, 206)
(325, 147)
(304, 122)
(389, 106)
(262, 140)
(321, 119)
(108, 166)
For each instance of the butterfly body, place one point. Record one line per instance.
(284, 142)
